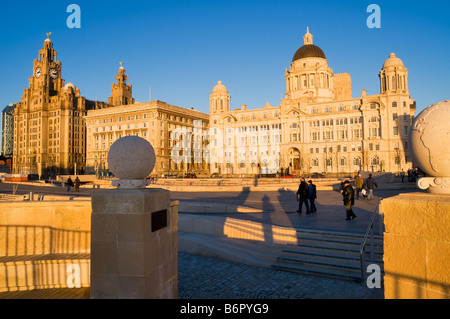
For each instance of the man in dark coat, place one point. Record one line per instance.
(349, 200)
(370, 183)
(302, 196)
(312, 195)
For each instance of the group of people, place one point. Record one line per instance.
(413, 175)
(70, 184)
(349, 194)
(307, 194)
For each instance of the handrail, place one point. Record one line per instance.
(369, 231)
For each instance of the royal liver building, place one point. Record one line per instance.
(319, 126)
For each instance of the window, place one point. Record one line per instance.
(357, 161)
(373, 106)
(395, 130)
(315, 136)
(342, 134)
(394, 104)
(374, 132)
(329, 162)
(341, 108)
(328, 135)
(355, 107)
(327, 109)
(343, 161)
(394, 116)
(313, 110)
(375, 161)
(315, 162)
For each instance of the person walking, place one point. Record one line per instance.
(359, 184)
(348, 195)
(77, 184)
(312, 195)
(402, 175)
(370, 183)
(302, 196)
(69, 184)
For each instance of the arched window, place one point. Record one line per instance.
(327, 109)
(375, 161)
(313, 110)
(357, 161)
(341, 108)
(329, 162)
(343, 161)
(315, 162)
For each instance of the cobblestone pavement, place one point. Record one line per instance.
(208, 278)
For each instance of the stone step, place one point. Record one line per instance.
(315, 271)
(325, 253)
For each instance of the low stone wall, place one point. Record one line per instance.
(417, 246)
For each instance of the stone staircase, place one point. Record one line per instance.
(330, 254)
(314, 252)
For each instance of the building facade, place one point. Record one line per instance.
(49, 129)
(318, 127)
(7, 130)
(176, 134)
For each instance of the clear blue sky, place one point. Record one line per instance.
(181, 49)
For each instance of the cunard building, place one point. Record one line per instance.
(319, 126)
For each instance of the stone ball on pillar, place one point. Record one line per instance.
(429, 140)
(131, 159)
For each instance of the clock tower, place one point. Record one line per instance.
(49, 131)
(121, 89)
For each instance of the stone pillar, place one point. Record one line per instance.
(134, 230)
(417, 237)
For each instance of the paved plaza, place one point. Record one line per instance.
(209, 278)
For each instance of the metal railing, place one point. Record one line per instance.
(369, 232)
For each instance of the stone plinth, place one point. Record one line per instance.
(134, 245)
(417, 246)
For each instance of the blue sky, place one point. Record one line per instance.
(181, 49)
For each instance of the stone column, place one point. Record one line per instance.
(134, 230)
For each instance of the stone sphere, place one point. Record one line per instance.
(430, 140)
(131, 158)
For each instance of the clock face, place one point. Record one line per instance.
(38, 73)
(54, 73)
